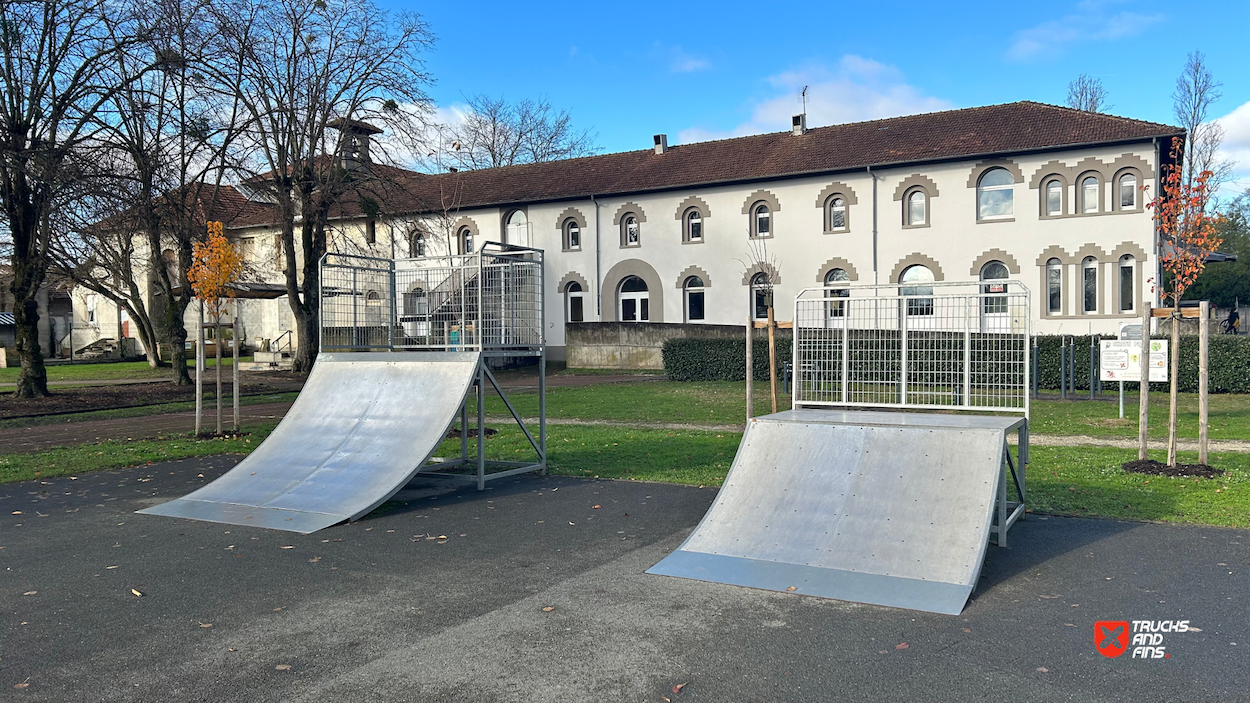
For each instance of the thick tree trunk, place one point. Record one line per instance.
(176, 335)
(32, 381)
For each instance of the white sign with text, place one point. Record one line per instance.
(1121, 360)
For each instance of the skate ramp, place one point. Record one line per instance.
(885, 508)
(361, 428)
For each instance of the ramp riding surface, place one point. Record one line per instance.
(360, 430)
(884, 508)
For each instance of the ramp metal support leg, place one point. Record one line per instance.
(542, 411)
(1001, 509)
(464, 432)
(481, 426)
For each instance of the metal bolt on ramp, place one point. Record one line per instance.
(892, 509)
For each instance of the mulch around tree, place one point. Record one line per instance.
(1157, 468)
(75, 399)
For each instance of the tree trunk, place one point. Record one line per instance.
(176, 334)
(32, 381)
(306, 337)
(1175, 363)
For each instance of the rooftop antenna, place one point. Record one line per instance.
(803, 95)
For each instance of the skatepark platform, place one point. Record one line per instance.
(363, 426)
(886, 508)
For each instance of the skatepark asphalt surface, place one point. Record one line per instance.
(534, 591)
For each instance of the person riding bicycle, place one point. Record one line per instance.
(1232, 325)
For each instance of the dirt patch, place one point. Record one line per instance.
(77, 399)
(1109, 422)
(1155, 468)
(455, 432)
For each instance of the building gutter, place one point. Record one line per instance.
(598, 279)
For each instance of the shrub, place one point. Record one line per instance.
(699, 359)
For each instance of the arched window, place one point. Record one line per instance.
(373, 299)
(1128, 191)
(1090, 194)
(629, 231)
(1089, 284)
(994, 194)
(1128, 291)
(994, 276)
(465, 239)
(418, 245)
(634, 300)
(1054, 197)
(916, 213)
(572, 235)
(837, 214)
(416, 302)
(1054, 286)
(575, 303)
(914, 279)
(693, 292)
(834, 290)
(761, 295)
(761, 221)
(517, 230)
(694, 225)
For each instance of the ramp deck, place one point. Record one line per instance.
(363, 426)
(887, 508)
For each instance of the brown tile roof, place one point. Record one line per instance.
(937, 136)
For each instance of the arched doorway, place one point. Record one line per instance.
(634, 300)
(517, 230)
(994, 314)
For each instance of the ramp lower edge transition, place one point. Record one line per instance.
(873, 589)
(299, 521)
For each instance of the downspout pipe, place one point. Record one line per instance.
(1155, 239)
(598, 276)
(874, 226)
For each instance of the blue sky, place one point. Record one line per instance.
(708, 70)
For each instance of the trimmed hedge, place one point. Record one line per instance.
(699, 359)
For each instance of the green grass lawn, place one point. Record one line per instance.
(144, 410)
(1229, 416)
(707, 402)
(109, 371)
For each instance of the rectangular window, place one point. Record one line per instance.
(646, 312)
(696, 231)
(1054, 200)
(761, 304)
(837, 219)
(1091, 289)
(631, 233)
(1054, 289)
(92, 301)
(575, 238)
(629, 310)
(1126, 289)
(371, 232)
(694, 305)
(575, 308)
(1128, 193)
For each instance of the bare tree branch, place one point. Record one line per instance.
(1087, 93)
(497, 133)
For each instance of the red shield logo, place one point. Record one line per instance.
(1111, 637)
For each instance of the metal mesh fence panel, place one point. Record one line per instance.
(935, 345)
(488, 301)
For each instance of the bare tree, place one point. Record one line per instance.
(304, 67)
(497, 133)
(1196, 91)
(1087, 93)
(59, 66)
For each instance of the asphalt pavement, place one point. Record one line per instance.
(534, 591)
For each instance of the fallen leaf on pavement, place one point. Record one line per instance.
(20, 686)
(30, 593)
(118, 565)
(278, 608)
(965, 629)
(678, 687)
(136, 592)
(902, 645)
(289, 546)
(549, 608)
(1043, 669)
(1047, 597)
(1194, 629)
(793, 588)
(314, 560)
(596, 507)
(206, 624)
(231, 649)
(283, 667)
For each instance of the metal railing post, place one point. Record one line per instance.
(1063, 368)
(967, 380)
(902, 372)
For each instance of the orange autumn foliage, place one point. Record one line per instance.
(215, 265)
(1187, 231)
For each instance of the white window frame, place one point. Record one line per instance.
(835, 207)
(638, 297)
(570, 295)
(759, 286)
(1119, 196)
(1046, 197)
(761, 213)
(836, 309)
(1056, 266)
(1088, 265)
(572, 229)
(694, 218)
(983, 189)
(917, 306)
(908, 212)
(689, 290)
(631, 234)
(465, 239)
(1086, 200)
(1127, 263)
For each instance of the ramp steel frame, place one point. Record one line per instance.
(492, 301)
(923, 345)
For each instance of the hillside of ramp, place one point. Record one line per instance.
(890, 509)
(362, 427)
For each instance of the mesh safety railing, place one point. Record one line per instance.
(931, 345)
(489, 301)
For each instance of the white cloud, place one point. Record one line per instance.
(1236, 147)
(678, 59)
(857, 89)
(1091, 20)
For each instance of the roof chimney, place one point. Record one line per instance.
(798, 125)
(661, 143)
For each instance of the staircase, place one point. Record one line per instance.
(104, 348)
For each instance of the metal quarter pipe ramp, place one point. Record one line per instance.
(363, 426)
(887, 508)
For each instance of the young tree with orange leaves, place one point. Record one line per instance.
(216, 265)
(1188, 236)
